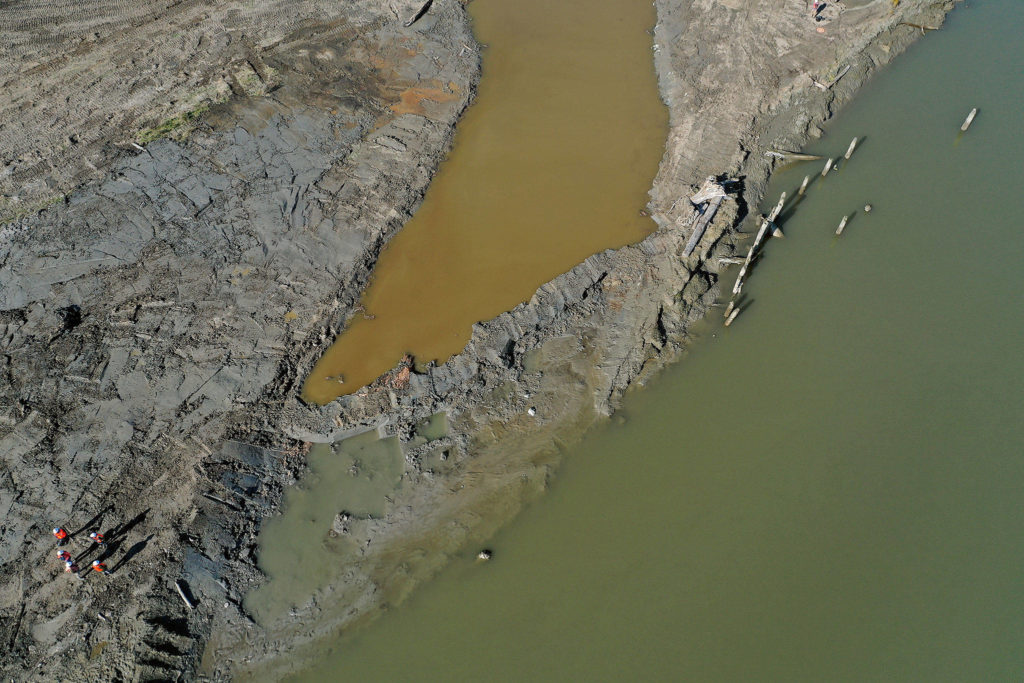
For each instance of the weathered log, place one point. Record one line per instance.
(842, 224)
(791, 156)
(765, 222)
(732, 316)
(849, 150)
(179, 585)
(969, 120)
(419, 15)
(803, 186)
(828, 167)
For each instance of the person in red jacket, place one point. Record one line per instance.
(99, 566)
(63, 556)
(97, 538)
(60, 534)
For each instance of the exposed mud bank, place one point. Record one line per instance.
(157, 326)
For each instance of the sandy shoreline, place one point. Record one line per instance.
(209, 463)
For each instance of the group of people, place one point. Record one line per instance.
(70, 565)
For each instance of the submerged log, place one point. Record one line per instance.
(969, 120)
(803, 186)
(732, 316)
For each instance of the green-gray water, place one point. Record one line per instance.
(831, 489)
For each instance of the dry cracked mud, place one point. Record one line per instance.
(158, 317)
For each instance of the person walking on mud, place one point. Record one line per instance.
(64, 556)
(72, 567)
(100, 568)
(97, 538)
(61, 534)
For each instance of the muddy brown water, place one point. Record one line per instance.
(551, 163)
(829, 490)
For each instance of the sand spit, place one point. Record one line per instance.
(156, 325)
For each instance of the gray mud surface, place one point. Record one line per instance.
(156, 324)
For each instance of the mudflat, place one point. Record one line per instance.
(159, 314)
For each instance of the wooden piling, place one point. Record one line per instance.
(969, 120)
(803, 186)
(849, 150)
(828, 167)
(842, 224)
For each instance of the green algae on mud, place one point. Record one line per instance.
(828, 490)
(552, 163)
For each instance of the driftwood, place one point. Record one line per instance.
(919, 26)
(179, 585)
(842, 225)
(969, 120)
(849, 150)
(826, 86)
(803, 186)
(703, 221)
(828, 167)
(419, 15)
(708, 191)
(791, 156)
(765, 222)
(732, 316)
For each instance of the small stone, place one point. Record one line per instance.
(867, 208)
(531, 412)
(484, 555)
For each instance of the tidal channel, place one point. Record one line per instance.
(830, 489)
(551, 163)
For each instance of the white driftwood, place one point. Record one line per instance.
(849, 150)
(969, 120)
(842, 224)
(701, 225)
(828, 167)
(791, 156)
(757, 241)
(732, 316)
(184, 597)
(803, 185)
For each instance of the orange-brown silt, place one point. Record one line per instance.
(551, 163)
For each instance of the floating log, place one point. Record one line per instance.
(849, 150)
(728, 309)
(969, 120)
(791, 156)
(828, 167)
(803, 186)
(732, 316)
(842, 224)
(179, 585)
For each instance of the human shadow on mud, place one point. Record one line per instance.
(92, 523)
(121, 531)
(132, 552)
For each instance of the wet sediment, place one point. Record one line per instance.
(173, 390)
